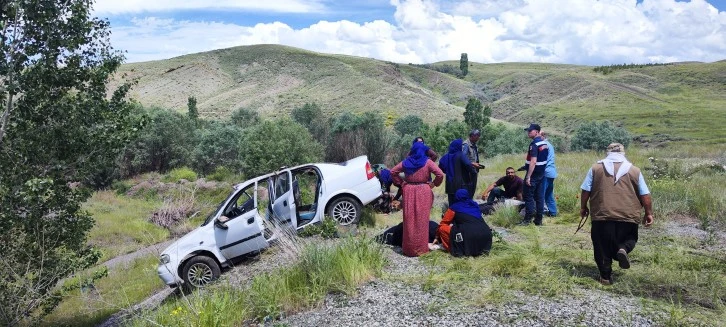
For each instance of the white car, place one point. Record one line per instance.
(289, 198)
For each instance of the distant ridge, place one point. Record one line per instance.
(654, 103)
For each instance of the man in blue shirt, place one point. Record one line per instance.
(549, 180)
(536, 160)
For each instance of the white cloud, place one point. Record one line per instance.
(104, 7)
(565, 31)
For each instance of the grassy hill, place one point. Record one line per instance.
(682, 102)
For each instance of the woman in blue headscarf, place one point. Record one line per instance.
(417, 197)
(458, 170)
(462, 230)
(429, 152)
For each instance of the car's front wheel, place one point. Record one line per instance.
(345, 210)
(199, 271)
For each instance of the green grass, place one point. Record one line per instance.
(681, 278)
(89, 307)
(319, 270)
(122, 224)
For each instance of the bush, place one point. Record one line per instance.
(220, 174)
(328, 228)
(244, 117)
(218, 146)
(508, 140)
(597, 136)
(178, 174)
(162, 145)
(352, 136)
(272, 144)
(409, 125)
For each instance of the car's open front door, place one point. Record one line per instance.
(238, 230)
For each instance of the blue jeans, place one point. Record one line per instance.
(495, 194)
(549, 196)
(534, 198)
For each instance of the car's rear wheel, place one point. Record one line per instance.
(345, 210)
(199, 271)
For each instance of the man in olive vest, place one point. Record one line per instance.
(616, 191)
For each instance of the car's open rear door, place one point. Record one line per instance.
(283, 205)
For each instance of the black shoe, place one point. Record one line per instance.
(623, 259)
(538, 223)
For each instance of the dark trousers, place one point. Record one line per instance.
(472, 187)
(534, 198)
(607, 238)
(494, 194)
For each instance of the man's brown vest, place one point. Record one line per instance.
(610, 201)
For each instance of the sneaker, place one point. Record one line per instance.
(605, 282)
(524, 222)
(623, 259)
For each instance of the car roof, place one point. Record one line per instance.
(261, 177)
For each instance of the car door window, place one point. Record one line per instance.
(244, 201)
(282, 184)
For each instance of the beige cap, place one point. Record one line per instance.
(616, 147)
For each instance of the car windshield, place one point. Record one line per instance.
(213, 213)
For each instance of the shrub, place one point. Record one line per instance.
(220, 174)
(272, 144)
(597, 136)
(180, 173)
(508, 140)
(409, 125)
(218, 146)
(162, 145)
(328, 228)
(244, 117)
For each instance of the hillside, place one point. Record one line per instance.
(683, 102)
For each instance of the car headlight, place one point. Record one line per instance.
(164, 259)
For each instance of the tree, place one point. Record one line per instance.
(272, 144)
(464, 64)
(165, 143)
(311, 116)
(192, 108)
(597, 136)
(244, 117)
(58, 128)
(475, 115)
(409, 125)
(218, 146)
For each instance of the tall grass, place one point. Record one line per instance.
(320, 269)
(122, 224)
(90, 306)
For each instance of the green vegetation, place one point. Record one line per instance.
(91, 305)
(673, 270)
(178, 174)
(609, 69)
(319, 270)
(61, 128)
(328, 228)
(122, 224)
(597, 136)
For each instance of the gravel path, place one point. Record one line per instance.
(387, 302)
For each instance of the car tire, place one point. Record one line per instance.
(199, 271)
(345, 210)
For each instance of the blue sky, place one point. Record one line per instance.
(592, 32)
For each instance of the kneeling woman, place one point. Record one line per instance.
(463, 231)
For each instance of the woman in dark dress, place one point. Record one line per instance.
(457, 168)
(463, 231)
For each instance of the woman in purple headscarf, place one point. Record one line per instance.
(417, 197)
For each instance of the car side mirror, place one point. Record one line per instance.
(221, 222)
